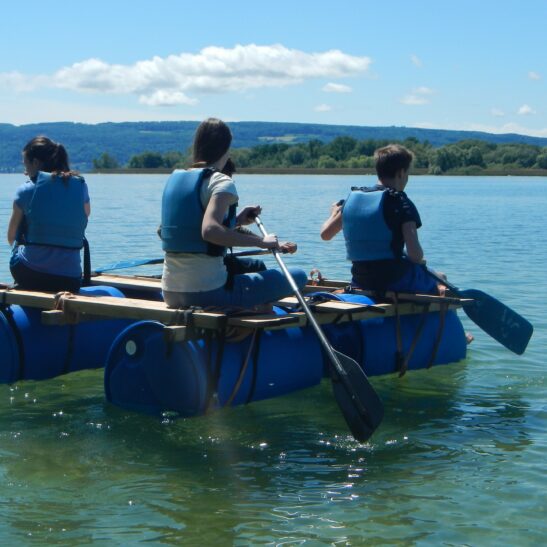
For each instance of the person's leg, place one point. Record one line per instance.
(416, 280)
(249, 290)
(27, 279)
(261, 287)
(242, 265)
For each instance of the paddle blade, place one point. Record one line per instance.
(361, 406)
(498, 320)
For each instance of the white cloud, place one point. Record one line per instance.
(497, 112)
(323, 108)
(525, 110)
(414, 100)
(166, 98)
(418, 96)
(423, 91)
(534, 75)
(169, 80)
(416, 61)
(15, 81)
(337, 88)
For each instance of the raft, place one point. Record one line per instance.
(147, 373)
(189, 361)
(33, 350)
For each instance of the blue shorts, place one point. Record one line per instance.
(248, 290)
(415, 280)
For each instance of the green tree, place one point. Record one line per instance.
(473, 156)
(326, 162)
(174, 159)
(146, 160)
(341, 148)
(541, 160)
(105, 161)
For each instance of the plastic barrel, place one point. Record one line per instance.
(373, 343)
(31, 350)
(146, 374)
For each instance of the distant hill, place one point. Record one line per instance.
(86, 142)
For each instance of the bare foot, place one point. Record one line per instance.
(469, 338)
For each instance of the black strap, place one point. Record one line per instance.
(213, 371)
(440, 330)
(243, 368)
(87, 265)
(8, 314)
(256, 354)
(417, 334)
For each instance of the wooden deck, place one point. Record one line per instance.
(67, 308)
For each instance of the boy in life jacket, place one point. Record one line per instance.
(380, 225)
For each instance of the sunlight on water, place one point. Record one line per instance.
(459, 458)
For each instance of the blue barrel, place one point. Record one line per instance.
(33, 351)
(146, 374)
(373, 343)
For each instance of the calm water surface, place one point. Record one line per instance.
(458, 460)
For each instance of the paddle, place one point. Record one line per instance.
(360, 404)
(125, 264)
(495, 318)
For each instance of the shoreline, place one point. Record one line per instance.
(335, 171)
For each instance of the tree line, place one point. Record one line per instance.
(348, 152)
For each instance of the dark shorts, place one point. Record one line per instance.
(393, 275)
(30, 280)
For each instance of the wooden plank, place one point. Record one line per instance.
(332, 306)
(110, 306)
(79, 307)
(128, 282)
(390, 295)
(266, 321)
(176, 334)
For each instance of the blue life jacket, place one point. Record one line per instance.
(56, 215)
(182, 214)
(367, 235)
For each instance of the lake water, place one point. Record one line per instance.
(459, 459)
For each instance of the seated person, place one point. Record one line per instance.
(379, 224)
(48, 222)
(199, 222)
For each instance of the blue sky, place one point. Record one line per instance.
(478, 64)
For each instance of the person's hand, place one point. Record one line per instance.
(288, 247)
(336, 207)
(248, 215)
(270, 242)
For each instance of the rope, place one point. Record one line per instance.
(417, 334)
(243, 369)
(440, 330)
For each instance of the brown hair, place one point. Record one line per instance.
(52, 155)
(211, 141)
(390, 159)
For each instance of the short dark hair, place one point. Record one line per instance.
(52, 155)
(211, 141)
(390, 159)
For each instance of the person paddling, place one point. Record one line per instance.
(200, 221)
(380, 223)
(48, 222)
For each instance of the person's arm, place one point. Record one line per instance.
(333, 224)
(14, 223)
(414, 250)
(213, 231)
(87, 208)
